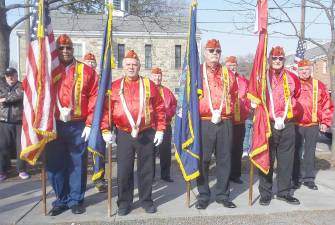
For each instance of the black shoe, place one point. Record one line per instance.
(201, 204)
(123, 211)
(311, 185)
(150, 209)
(56, 210)
(167, 179)
(78, 209)
(296, 185)
(101, 186)
(265, 200)
(226, 203)
(289, 199)
(236, 180)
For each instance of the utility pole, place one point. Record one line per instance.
(302, 25)
(27, 23)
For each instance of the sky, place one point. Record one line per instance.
(225, 20)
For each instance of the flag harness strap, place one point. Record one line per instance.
(273, 107)
(209, 93)
(134, 127)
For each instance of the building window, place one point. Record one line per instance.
(120, 55)
(117, 4)
(177, 56)
(126, 5)
(148, 57)
(324, 67)
(78, 50)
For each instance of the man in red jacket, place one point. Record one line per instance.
(241, 112)
(136, 110)
(216, 128)
(283, 89)
(317, 115)
(66, 157)
(170, 103)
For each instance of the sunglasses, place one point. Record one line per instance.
(61, 48)
(211, 50)
(277, 58)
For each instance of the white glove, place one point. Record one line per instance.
(108, 137)
(86, 133)
(65, 114)
(253, 105)
(158, 138)
(279, 123)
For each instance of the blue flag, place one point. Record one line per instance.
(187, 133)
(96, 144)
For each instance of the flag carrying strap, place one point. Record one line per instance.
(286, 94)
(237, 109)
(225, 88)
(134, 127)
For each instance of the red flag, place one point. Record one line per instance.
(38, 122)
(259, 154)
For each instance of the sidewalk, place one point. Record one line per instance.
(20, 202)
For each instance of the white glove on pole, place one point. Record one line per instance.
(108, 137)
(158, 138)
(86, 133)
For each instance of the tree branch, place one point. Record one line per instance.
(289, 18)
(20, 20)
(17, 6)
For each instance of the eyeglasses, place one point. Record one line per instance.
(61, 48)
(274, 58)
(211, 50)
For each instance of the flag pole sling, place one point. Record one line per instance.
(188, 191)
(251, 182)
(109, 171)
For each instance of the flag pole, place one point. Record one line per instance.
(109, 171)
(188, 191)
(251, 182)
(44, 189)
(40, 35)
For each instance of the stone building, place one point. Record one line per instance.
(160, 42)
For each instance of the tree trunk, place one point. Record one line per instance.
(4, 39)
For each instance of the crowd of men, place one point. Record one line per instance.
(141, 111)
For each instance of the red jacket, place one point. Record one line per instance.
(215, 81)
(153, 110)
(78, 88)
(170, 102)
(277, 84)
(243, 101)
(325, 106)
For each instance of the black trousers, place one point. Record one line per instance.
(165, 153)
(237, 149)
(282, 144)
(304, 158)
(217, 139)
(126, 147)
(10, 144)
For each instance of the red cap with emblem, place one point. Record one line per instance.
(156, 70)
(131, 54)
(304, 62)
(64, 39)
(213, 43)
(277, 51)
(231, 59)
(89, 56)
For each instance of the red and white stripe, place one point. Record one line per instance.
(39, 101)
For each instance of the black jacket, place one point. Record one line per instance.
(11, 109)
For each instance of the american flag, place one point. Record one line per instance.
(299, 55)
(42, 66)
